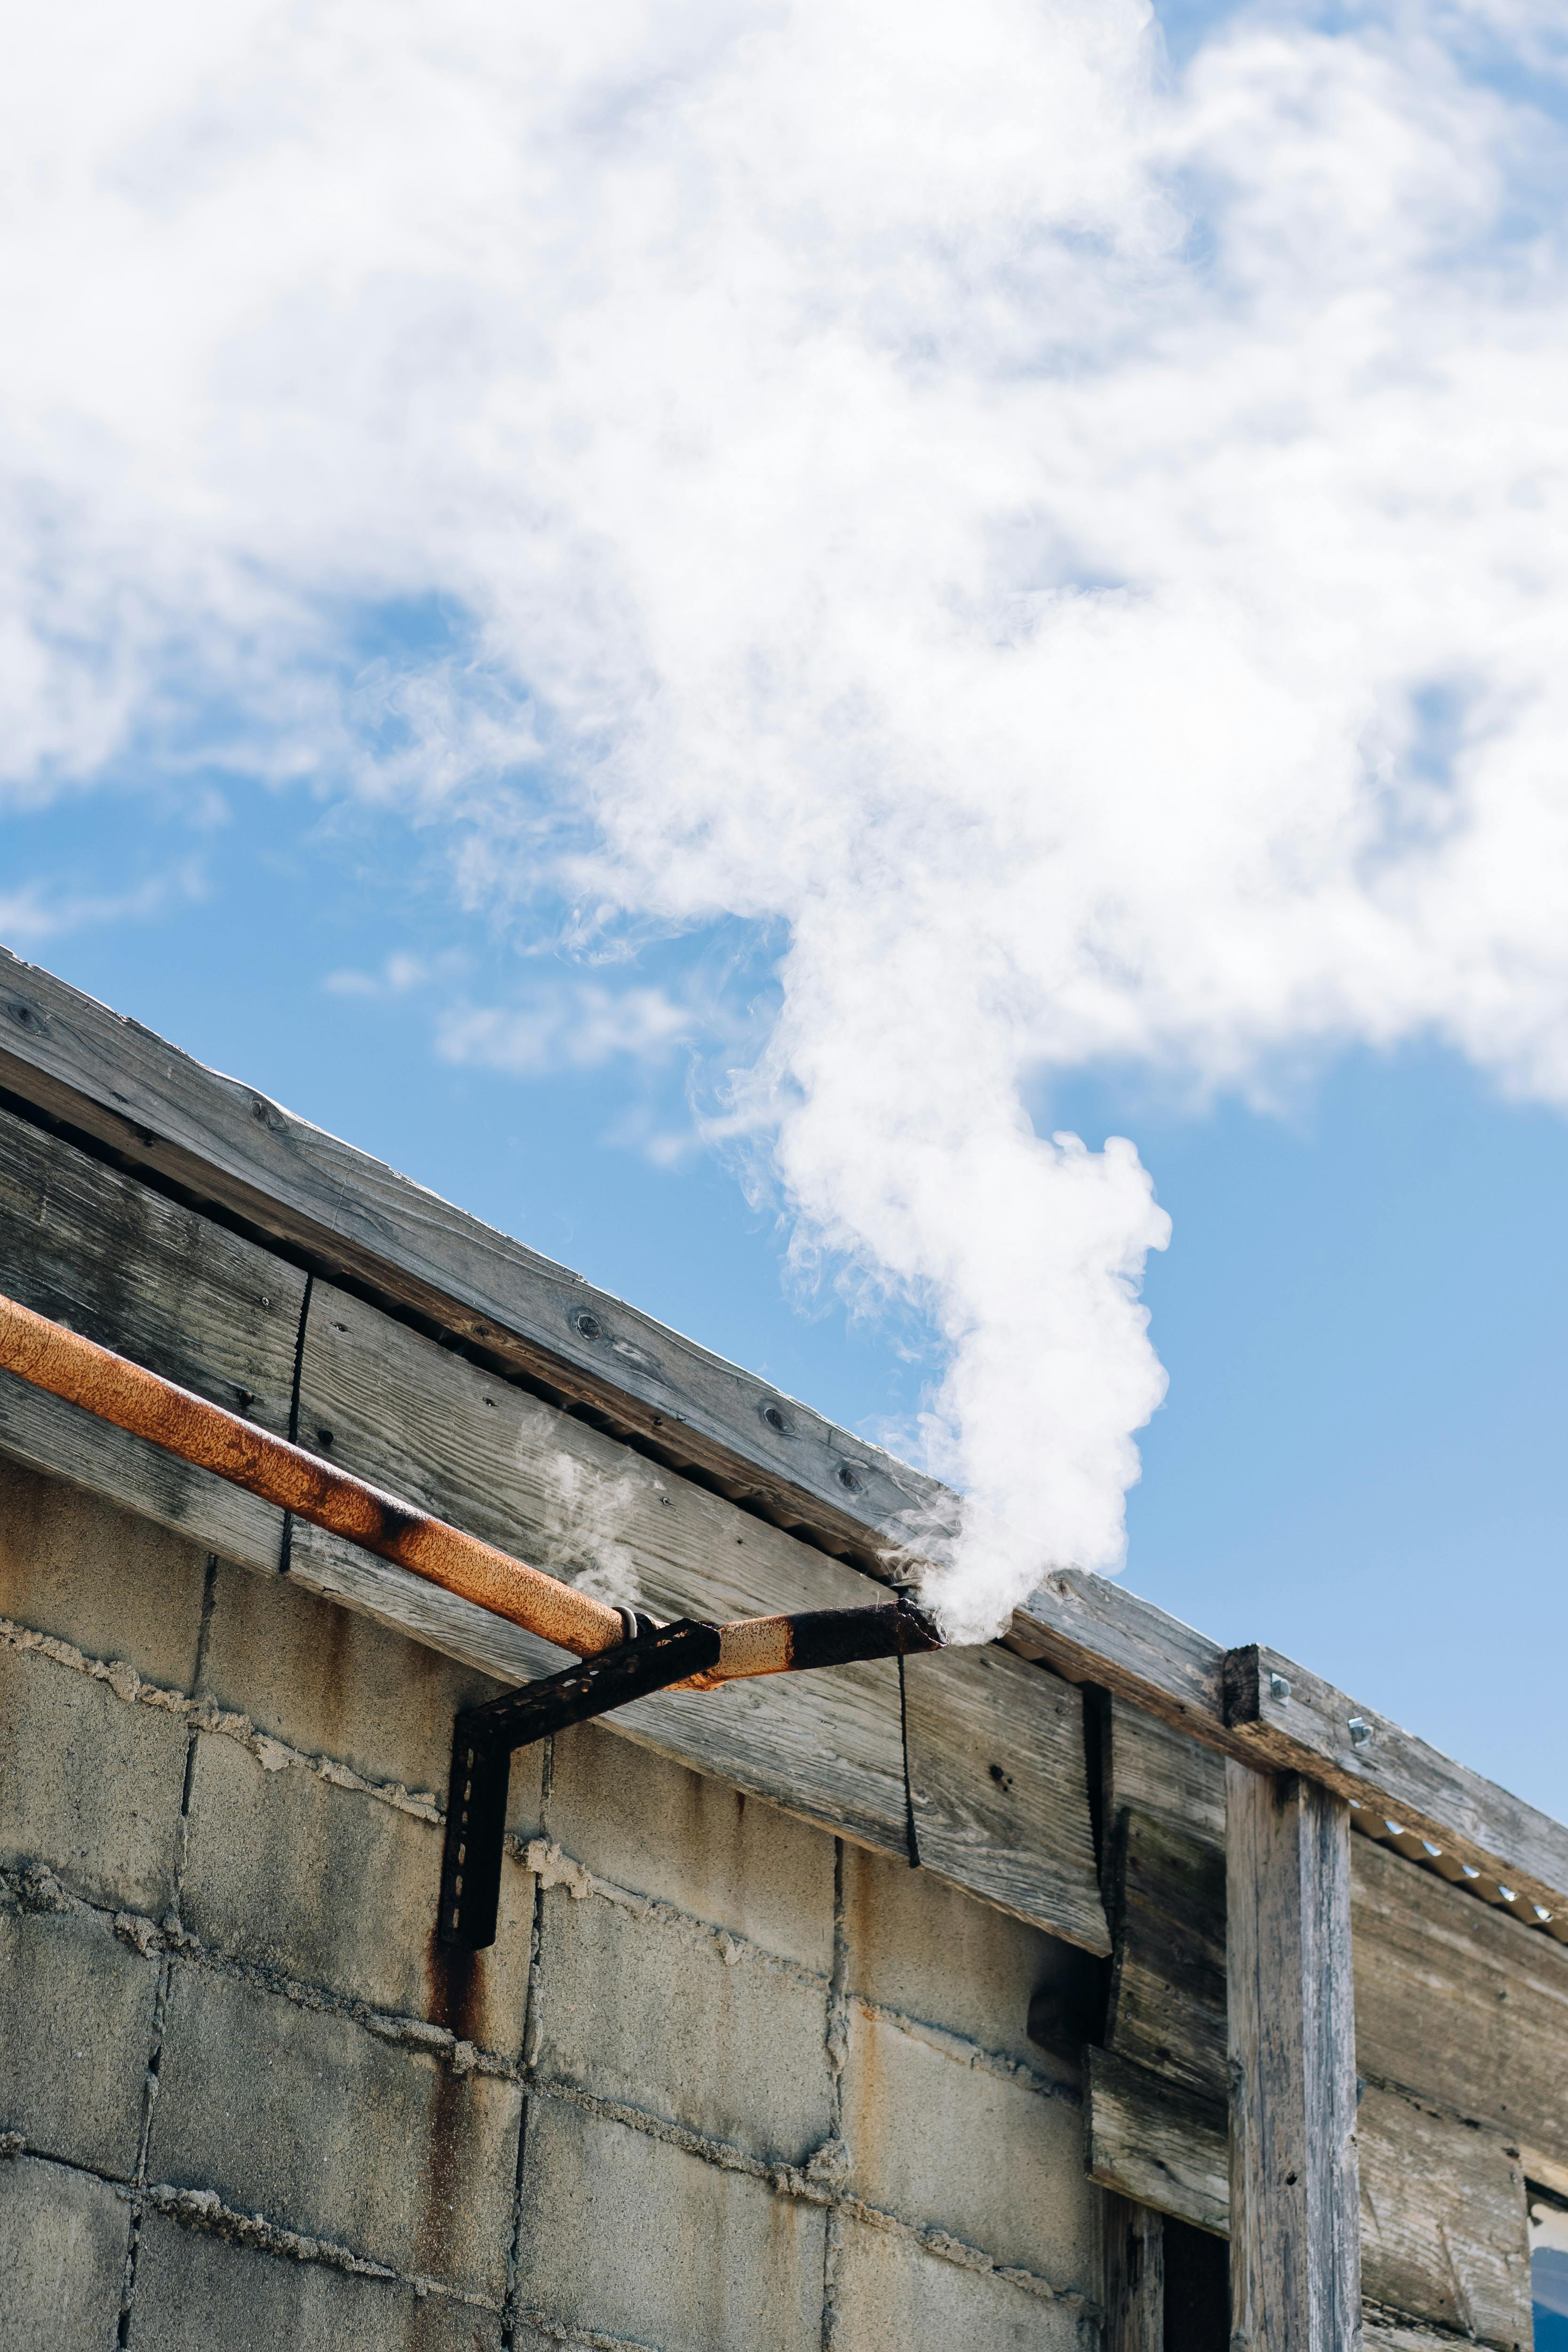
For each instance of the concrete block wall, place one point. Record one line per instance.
(723, 2085)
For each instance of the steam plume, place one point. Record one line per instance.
(1080, 549)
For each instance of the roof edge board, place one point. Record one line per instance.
(166, 1115)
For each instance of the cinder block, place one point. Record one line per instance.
(304, 2117)
(891, 2296)
(626, 2236)
(922, 1947)
(62, 2258)
(195, 2292)
(109, 1584)
(640, 2011)
(328, 1682)
(335, 1888)
(646, 1822)
(76, 2028)
(950, 2146)
(92, 1783)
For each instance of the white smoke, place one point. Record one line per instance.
(1081, 551)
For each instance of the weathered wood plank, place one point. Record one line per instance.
(1424, 1951)
(1462, 2006)
(1441, 2206)
(999, 1788)
(393, 1406)
(1444, 2234)
(1154, 1769)
(356, 1580)
(1092, 1630)
(1295, 2247)
(102, 1254)
(1156, 2142)
(429, 1425)
(1391, 2331)
(1295, 1721)
(66, 1443)
(349, 1214)
(1134, 2277)
(172, 1289)
(494, 1459)
(1167, 2008)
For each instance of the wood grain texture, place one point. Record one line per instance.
(1295, 2246)
(1463, 2007)
(1391, 2331)
(1000, 1789)
(1092, 1630)
(1154, 2142)
(393, 1406)
(348, 1214)
(1154, 1769)
(1444, 2234)
(173, 1290)
(1167, 2008)
(432, 1426)
(340, 1571)
(109, 1259)
(62, 1440)
(1441, 2205)
(1134, 2277)
(1295, 1721)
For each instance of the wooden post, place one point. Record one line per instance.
(1134, 2277)
(1295, 2236)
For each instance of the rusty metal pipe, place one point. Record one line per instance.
(205, 1434)
(750, 1646)
(146, 1405)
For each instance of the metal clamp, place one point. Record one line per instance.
(484, 1738)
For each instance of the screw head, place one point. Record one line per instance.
(1360, 1731)
(1278, 1686)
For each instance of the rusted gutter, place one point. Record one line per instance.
(145, 1404)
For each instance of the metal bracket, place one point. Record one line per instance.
(485, 1736)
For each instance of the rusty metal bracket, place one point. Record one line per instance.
(485, 1737)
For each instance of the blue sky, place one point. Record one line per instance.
(395, 561)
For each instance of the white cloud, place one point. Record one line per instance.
(44, 909)
(1005, 521)
(580, 1027)
(400, 974)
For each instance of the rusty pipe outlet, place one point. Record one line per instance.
(815, 1637)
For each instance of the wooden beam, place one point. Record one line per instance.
(1254, 1705)
(1445, 2236)
(1134, 2277)
(1154, 2140)
(349, 1215)
(1092, 1630)
(1294, 2192)
(1295, 1721)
